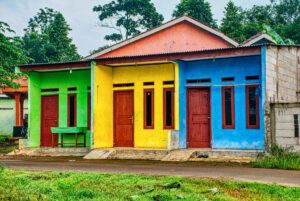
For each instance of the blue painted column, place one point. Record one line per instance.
(263, 88)
(182, 105)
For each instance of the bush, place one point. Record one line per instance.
(278, 157)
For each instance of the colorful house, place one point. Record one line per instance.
(58, 97)
(13, 107)
(180, 85)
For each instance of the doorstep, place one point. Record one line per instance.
(49, 151)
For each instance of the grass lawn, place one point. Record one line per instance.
(7, 145)
(278, 158)
(20, 185)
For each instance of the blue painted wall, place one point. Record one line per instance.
(216, 69)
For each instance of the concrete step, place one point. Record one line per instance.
(223, 153)
(179, 155)
(57, 151)
(99, 154)
(138, 154)
(51, 152)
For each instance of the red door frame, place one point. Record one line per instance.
(187, 110)
(114, 113)
(41, 117)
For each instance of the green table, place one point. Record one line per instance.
(76, 131)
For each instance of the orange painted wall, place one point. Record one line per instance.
(181, 37)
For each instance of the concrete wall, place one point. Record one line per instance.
(105, 77)
(61, 80)
(282, 86)
(283, 131)
(8, 115)
(282, 74)
(238, 67)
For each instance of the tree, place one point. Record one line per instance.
(10, 56)
(288, 19)
(256, 17)
(232, 23)
(198, 9)
(46, 38)
(128, 18)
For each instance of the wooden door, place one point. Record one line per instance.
(49, 118)
(123, 119)
(198, 118)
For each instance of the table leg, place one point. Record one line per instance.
(62, 140)
(52, 140)
(76, 139)
(84, 138)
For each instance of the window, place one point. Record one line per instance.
(168, 108)
(89, 110)
(72, 110)
(252, 110)
(149, 108)
(228, 107)
(296, 125)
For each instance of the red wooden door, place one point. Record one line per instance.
(198, 118)
(123, 119)
(49, 119)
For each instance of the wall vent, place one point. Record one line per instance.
(168, 82)
(198, 81)
(148, 83)
(50, 90)
(227, 79)
(124, 85)
(255, 77)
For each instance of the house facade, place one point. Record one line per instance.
(181, 85)
(58, 97)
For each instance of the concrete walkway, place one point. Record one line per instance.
(187, 169)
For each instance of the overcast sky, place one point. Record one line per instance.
(83, 21)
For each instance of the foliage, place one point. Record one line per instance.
(128, 17)
(232, 22)
(99, 49)
(18, 185)
(281, 16)
(278, 157)
(10, 56)
(46, 38)
(198, 9)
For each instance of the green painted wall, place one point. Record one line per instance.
(61, 80)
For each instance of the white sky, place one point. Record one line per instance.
(83, 21)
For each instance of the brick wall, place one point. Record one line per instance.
(283, 130)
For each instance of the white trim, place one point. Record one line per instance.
(262, 36)
(162, 27)
(63, 69)
(221, 57)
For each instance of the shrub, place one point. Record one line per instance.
(278, 157)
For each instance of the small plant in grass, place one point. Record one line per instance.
(278, 157)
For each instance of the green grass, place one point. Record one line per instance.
(6, 144)
(20, 185)
(279, 158)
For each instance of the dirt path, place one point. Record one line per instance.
(191, 169)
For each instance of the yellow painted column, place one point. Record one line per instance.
(103, 107)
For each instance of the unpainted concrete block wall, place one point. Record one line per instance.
(283, 131)
(282, 74)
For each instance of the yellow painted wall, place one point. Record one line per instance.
(105, 77)
(103, 107)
